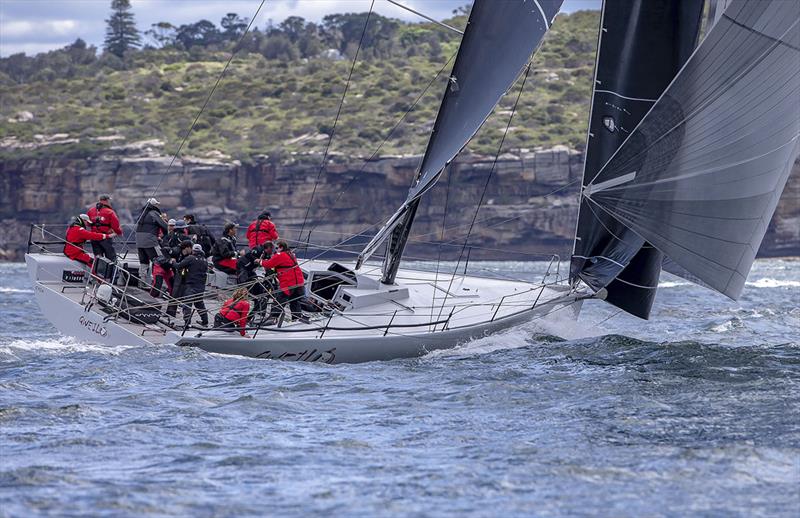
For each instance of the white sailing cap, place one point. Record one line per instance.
(197, 248)
(153, 201)
(85, 217)
(171, 222)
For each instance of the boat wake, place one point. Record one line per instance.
(556, 328)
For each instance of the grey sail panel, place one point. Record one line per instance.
(498, 42)
(705, 169)
(642, 46)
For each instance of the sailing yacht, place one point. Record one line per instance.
(689, 147)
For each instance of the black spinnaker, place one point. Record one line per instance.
(701, 175)
(642, 46)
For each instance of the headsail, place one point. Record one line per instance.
(704, 170)
(497, 44)
(642, 46)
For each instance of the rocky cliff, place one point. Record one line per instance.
(530, 204)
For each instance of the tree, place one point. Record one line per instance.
(121, 32)
(233, 26)
(202, 33)
(161, 34)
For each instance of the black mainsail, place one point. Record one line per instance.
(701, 175)
(498, 42)
(642, 46)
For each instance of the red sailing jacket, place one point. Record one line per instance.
(76, 237)
(104, 219)
(289, 273)
(236, 312)
(260, 231)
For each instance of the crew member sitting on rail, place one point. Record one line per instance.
(234, 313)
(261, 230)
(290, 281)
(77, 235)
(224, 258)
(105, 221)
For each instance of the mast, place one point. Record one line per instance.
(498, 42)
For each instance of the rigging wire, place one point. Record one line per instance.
(437, 22)
(486, 184)
(385, 140)
(202, 109)
(444, 224)
(336, 121)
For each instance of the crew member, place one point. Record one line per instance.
(77, 235)
(193, 270)
(261, 230)
(225, 252)
(234, 312)
(151, 223)
(200, 234)
(290, 281)
(105, 221)
(176, 234)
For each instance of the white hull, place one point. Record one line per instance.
(382, 331)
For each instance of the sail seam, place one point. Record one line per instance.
(625, 96)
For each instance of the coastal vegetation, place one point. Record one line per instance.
(282, 90)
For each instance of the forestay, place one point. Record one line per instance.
(497, 44)
(642, 46)
(701, 176)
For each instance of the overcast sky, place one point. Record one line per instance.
(34, 26)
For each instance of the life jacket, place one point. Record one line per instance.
(289, 273)
(235, 310)
(104, 219)
(260, 231)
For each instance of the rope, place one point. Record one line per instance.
(486, 184)
(336, 121)
(205, 104)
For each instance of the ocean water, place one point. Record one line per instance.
(695, 412)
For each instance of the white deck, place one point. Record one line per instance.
(428, 311)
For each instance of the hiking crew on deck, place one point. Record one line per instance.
(234, 312)
(77, 235)
(224, 257)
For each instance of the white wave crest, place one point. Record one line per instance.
(673, 284)
(14, 290)
(773, 283)
(60, 345)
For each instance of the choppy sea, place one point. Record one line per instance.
(695, 412)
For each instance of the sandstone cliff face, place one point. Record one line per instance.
(530, 204)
